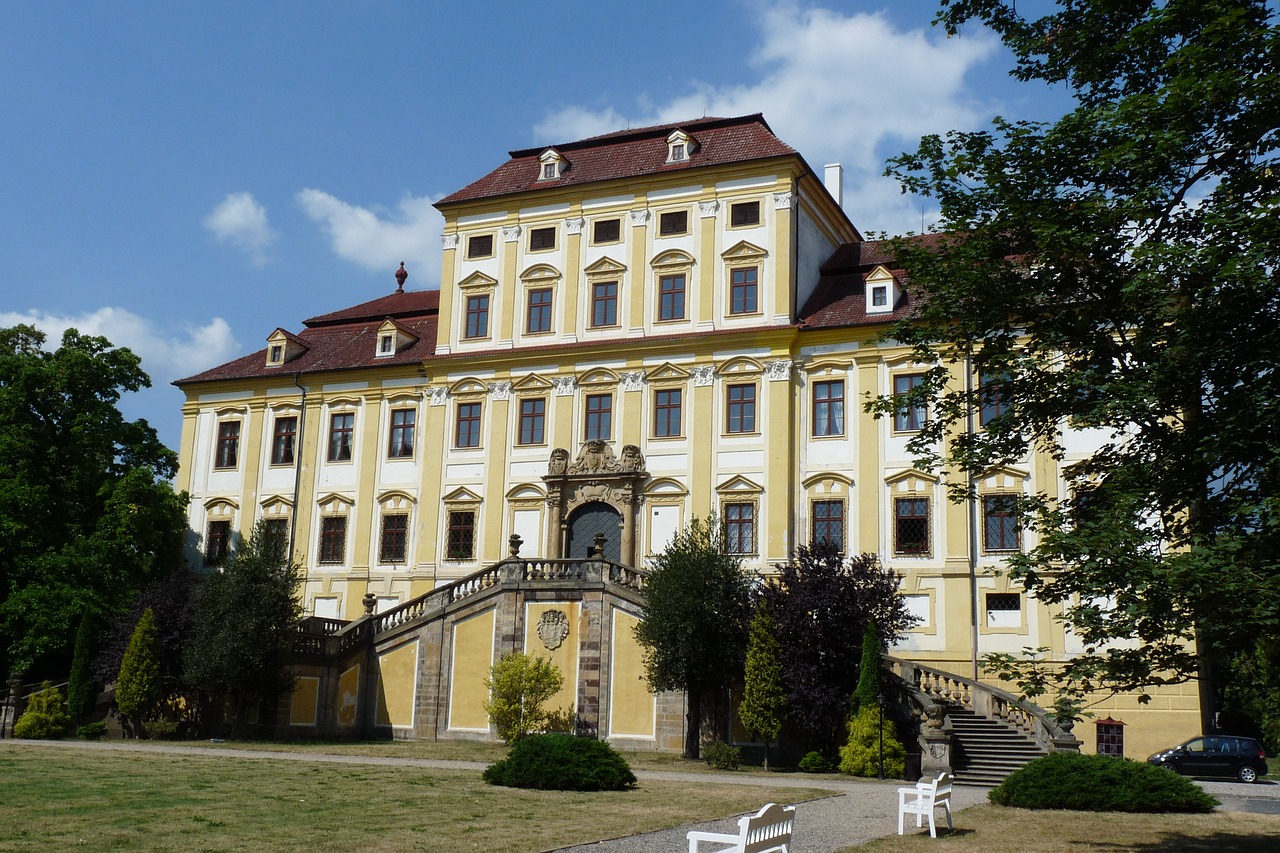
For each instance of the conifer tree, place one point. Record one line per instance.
(869, 677)
(138, 688)
(80, 687)
(764, 700)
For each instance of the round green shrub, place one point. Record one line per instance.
(46, 716)
(1099, 783)
(816, 762)
(91, 731)
(721, 756)
(559, 762)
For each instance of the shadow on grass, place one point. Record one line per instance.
(1222, 842)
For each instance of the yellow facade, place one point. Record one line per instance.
(556, 313)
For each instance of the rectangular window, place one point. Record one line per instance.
(333, 538)
(741, 413)
(533, 421)
(743, 292)
(480, 246)
(228, 444)
(828, 523)
(828, 407)
(992, 397)
(282, 439)
(275, 533)
(1110, 737)
(460, 542)
(666, 413)
(1004, 610)
(542, 238)
(539, 313)
(386, 345)
(477, 317)
(604, 303)
(744, 213)
(400, 444)
(911, 526)
(599, 417)
(1000, 530)
(909, 417)
(341, 436)
(740, 528)
(395, 532)
(671, 297)
(467, 433)
(673, 222)
(548, 171)
(277, 353)
(880, 296)
(606, 231)
(217, 542)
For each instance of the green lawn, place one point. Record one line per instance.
(64, 798)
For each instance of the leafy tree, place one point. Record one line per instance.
(246, 615)
(80, 686)
(86, 514)
(764, 701)
(138, 688)
(518, 686)
(170, 600)
(694, 628)
(822, 603)
(45, 717)
(1118, 270)
(872, 740)
(868, 690)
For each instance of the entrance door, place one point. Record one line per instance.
(586, 522)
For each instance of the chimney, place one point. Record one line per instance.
(833, 180)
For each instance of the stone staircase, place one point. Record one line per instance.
(986, 751)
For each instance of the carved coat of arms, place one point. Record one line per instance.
(553, 627)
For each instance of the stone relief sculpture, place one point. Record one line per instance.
(632, 458)
(553, 628)
(559, 462)
(596, 457)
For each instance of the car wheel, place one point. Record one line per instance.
(1247, 774)
(1168, 766)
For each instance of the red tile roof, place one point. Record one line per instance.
(345, 340)
(840, 299)
(629, 153)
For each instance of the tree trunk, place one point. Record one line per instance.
(693, 728)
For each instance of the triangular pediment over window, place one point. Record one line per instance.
(605, 266)
(393, 337)
(532, 382)
(744, 251)
(667, 372)
(912, 475)
(739, 485)
(478, 281)
(461, 495)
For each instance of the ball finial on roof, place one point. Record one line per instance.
(401, 275)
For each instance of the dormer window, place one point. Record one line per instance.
(679, 146)
(283, 347)
(392, 337)
(552, 165)
(882, 291)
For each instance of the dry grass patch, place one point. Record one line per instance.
(993, 829)
(63, 797)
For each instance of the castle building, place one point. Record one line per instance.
(630, 331)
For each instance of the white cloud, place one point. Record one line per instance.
(167, 352)
(379, 240)
(838, 88)
(240, 221)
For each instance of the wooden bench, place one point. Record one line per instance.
(925, 798)
(766, 831)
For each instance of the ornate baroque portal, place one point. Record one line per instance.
(596, 476)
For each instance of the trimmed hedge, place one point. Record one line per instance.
(721, 756)
(559, 762)
(46, 717)
(1099, 783)
(816, 762)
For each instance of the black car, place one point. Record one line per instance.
(1215, 755)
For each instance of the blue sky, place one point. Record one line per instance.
(184, 178)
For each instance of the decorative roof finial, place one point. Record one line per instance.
(401, 275)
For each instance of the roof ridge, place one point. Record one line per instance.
(642, 132)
